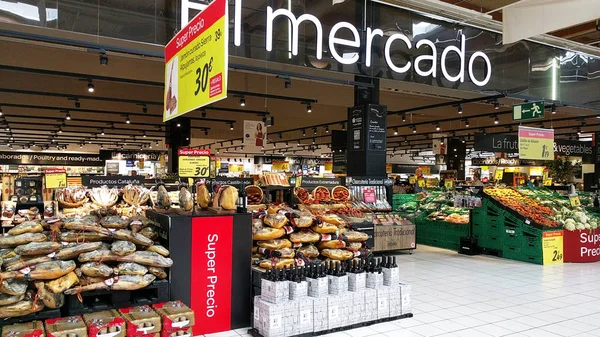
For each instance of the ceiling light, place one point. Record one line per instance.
(242, 101)
(90, 86)
(298, 143)
(274, 145)
(314, 140)
(553, 109)
(203, 113)
(404, 117)
(206, 132)
(309, 108)
(496, 105)
(102, 146)
(326, 129)
(231, 127)
(144, 108)
(68, 116)
(460, 109)
(7, 128)
(144, 134)
(578, 131)
(127, 119)
(178, 125)
(496, 120)
(315, 131)
(77, 104)
(80, 146)
(414, 130)
(437, 127)
(303, 133)
(288, 83)
(59, 129)
(1, 111)
(467, 123)
(343, 126)
(395, 131)
(103, 59)
(156, 143)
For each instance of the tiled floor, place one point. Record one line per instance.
(481, 296)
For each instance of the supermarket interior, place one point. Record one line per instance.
(299, 168)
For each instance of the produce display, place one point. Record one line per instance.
(524, 205)
(451, 215)
(97, 239)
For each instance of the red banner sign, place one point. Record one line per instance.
(369, 196)
(193, 152)
(210, 282)
(582, 246)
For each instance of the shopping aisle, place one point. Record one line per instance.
(455, 295)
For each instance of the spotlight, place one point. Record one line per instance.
(313, 140)
(437, 127)
(68, 116)
(288, 83)
(127, 119)
(460, 109)
(77, 105)
(59, 129)
(242, 101)
(315, 130)
(326, 129)
(280, 136)
(206, 132)
(414, 129)
(144, 108)
(395, 131)
(496, 105)
(578, 131)
(496, 120)
(1, 113)
(467, 123)
(298, 143)
(144, 134)
(102, 146)
(7, 128)
(553, 109)
(178, 125)
(156, 143)
(103, 59)
(309, 108)
(231, 127)
(90, 86)
(404, 117)
(203, 113)
(80, 146)
(343, 126)
(303, 133)
(274, 145)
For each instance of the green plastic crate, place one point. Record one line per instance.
(509, 218)
(513, 253)
(513, 236)
(492, 242)
(532, 246)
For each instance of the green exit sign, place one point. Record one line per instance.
(529, 110)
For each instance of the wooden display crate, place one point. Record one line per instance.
(394, 237)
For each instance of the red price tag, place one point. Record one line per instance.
(369, 196)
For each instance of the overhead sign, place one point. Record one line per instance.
(496, 143)
(194, 163)
(535, 143)
(529, 110)
(197, 62)
(112, 181)
(573, 148)
(50, 158)
(255, 135)
(504, 162)
(132, 155)
(55, 178)
(281, 165)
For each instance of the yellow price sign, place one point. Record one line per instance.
(328, 166)
(298, 181)
(280, 165)
(552, 247)
(194, 163)
(421, 182)
(197, 62)
(547, 182)
(412, 180)
(426, 170)
(55, 178)
(498, 174)
(574, 199)
(388, 168)
(235, 168)
(536, 143)
(449, 183)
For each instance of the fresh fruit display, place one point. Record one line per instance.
(450, 214)
(524, 205)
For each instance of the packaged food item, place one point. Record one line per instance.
(141, 321)
(8, 210)
(175, 315)
(66, 327)
(29, 329)
(186, 332)
(105, 324)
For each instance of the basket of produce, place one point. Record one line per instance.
(340, 194)
(71, 197)
(255, 195)
(302, 195)
(321, 194)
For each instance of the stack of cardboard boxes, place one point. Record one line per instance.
(326, 298)
(168, 319)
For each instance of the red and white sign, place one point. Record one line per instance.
(55, 170)
(369, 196)
(210, 283)
(193, 152)
(582, 246)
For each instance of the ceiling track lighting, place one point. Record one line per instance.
(460, 109)
(144, 134)
(231, 127)
(303, 133)
(395, 131)
(309, 107)
(68, 116)
(103, 59)
(77, 104)
(404, 117)
(496, 105)
(206, 132)
(496, 120)
(287, 84)
(315, 131)
(414, 129)
(242, 101)
(467, 123)
(343, 126)
(178, 125)
(1, 113)
(127, 119)
(90, 86)
(553, 109)
(437, 127)
(326, 129)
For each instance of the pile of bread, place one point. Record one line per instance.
(287, 237)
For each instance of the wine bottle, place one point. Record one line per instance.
(268, 252)
(394, 265)
(266, 275)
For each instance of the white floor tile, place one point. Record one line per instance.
(426, 330)
(494, 330)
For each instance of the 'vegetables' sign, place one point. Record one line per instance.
(197, 61)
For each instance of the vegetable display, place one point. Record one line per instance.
(523, 205)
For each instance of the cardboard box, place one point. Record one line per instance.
(320, 321)
(66, 327)
(337, 285)
(291, 319)
(305, 315)
(370, 305)
(358, 311)
(256, 323)
(357, 282)
(383, 302)
(187, 332)
(141, 321)
(318, 287)
(405, 290)
(395, 301)
(347, 309)
(174, 315)
(275, 292)
(391, 276)
(105, 323)
(298, 290)
(272, 318)
(374, 280)
(29, 329)
(334, 312)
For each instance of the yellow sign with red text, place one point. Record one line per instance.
(536, 143)
(281, 165)
(552, 247)
(197, 62)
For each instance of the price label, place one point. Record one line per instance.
(369, 196)
(574, 199)
(55, 178)
(280, 165)
(498, 174)
(421, 182)
(298, 181)
(412, 180)
(194, 163)
(547, 182)
(197, 62)
(449, 183)
(328, 166)
(388, 168)
(234, 168)
(552, 247)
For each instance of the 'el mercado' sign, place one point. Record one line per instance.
(424, 65)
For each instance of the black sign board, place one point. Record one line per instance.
(112, 168)
(356, 130)
(221, 181)
(327, 182)
(573, 148)
(50, 158)
(366, 181)
(262, 160)
(131, 155)
(505, 162)
(111, 181)
(496, 143)
(340, 162)
(224, 167)
(376, 129)
(410, 169)
(339, 145)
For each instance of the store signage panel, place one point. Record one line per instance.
(211, 277)
(573, 148)
(111, 181)
(194, 163)
(262, 160)
(529, 110)
(552, 247)
(112, 168)
(582, 245)
(365, 181)
(327, 182)
(505, 162)
(536, 143)
(50, 158)
(496, 143)
(55, 178)
(197, 62)
(131, 155)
